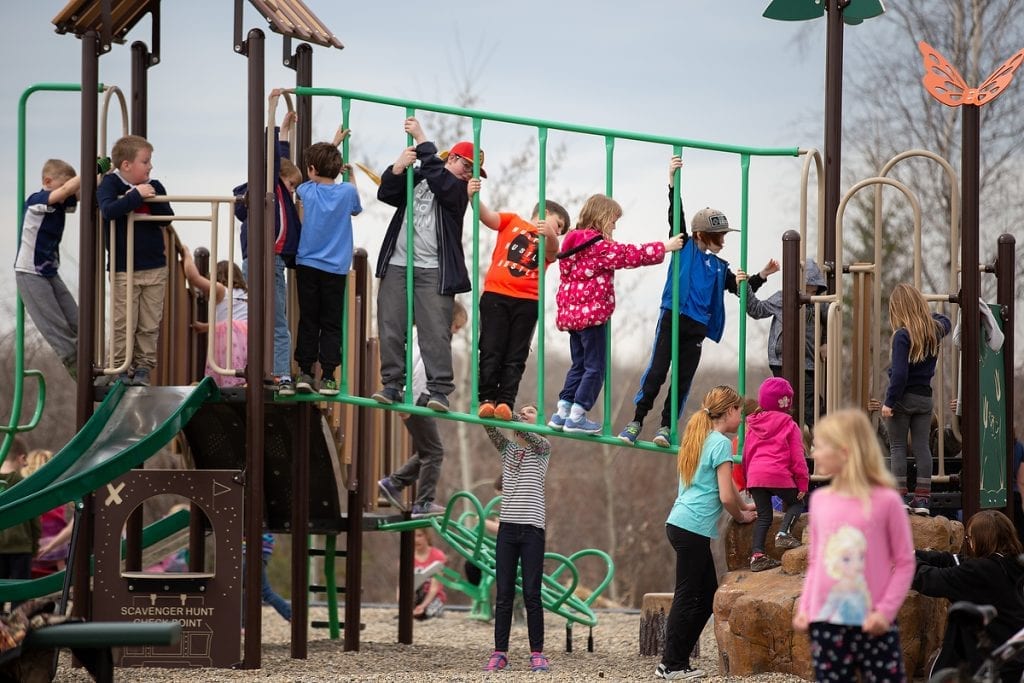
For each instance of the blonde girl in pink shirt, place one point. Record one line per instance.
(860, 560)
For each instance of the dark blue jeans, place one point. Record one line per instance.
(586, 376)
(267, 594)
(519, 543)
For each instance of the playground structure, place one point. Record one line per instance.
(231, 431)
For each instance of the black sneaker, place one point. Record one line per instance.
(285, 386)
(438, 403)
(387, 395)
(304, 383)
(761, 562)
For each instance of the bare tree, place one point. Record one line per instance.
(891, 112)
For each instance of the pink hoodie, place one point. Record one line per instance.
(773, 452)
(586, 295)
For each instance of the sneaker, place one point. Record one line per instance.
(486, 410)
(304, 383)
(426, 510)
(423, 399)
(919, 505)
(684, 674)
(538, 662)
(630, 433)
(285, 386)
(387, 395)
(141, 377)
(660, 671)
(581, 426)
(557, 422)
(329, 387)
(497, 661)
(784, 540)
(503, 412)
(438, 403)
(760, 562)
(662, 436)
(391, 492)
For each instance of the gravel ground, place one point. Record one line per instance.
(452, 648)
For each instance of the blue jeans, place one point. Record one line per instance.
(282, 335)
(515, 543)
(267, 594)
(585, 378)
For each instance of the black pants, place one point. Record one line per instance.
(765, 512)
(15, 566)
(691, 335)
(518, 543)
(321, 302)
(696, 583)
(506, 328)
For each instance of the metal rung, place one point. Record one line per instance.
(317, 588)
(327, 624)
(320, 552)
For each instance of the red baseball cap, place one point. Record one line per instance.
(464, 149)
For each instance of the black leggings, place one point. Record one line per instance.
(765, 513)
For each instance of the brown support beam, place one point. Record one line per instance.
(792, 344)
(140, 89)
(87, 311)
(260, 202)
(970, 329)
(833, 131)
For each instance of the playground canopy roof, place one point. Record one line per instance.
(290, 18)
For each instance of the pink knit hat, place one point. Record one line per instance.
(776, 393)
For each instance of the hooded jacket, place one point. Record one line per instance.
(773, 452)
(282, 202)
(994, 580)
(725, 279)
(450, 202)
(587, 264)
(772, 308)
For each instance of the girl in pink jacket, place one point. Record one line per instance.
(860, 559)
(586, 300)
(774, 465)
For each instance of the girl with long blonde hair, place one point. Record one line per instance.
(907, 408)
(860, 559)
(705, 487)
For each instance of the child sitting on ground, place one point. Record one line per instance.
(586, 301)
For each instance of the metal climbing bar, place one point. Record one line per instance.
(610, 136)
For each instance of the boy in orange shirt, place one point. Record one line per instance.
(508, 306)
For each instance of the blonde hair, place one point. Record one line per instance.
(36, 458)
(58, 169)
(850, 430)
(716, 403)
(909, 310)
(600, 213)
(127, 148)
(290, 172)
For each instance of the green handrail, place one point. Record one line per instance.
(543, 126)
(12, 428)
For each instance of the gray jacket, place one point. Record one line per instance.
(772, 307)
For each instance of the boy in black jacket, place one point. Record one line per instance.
(440, 199)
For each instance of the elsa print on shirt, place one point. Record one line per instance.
(848, 600)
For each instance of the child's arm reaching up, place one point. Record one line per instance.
(488, 217)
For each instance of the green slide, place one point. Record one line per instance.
(131, 425)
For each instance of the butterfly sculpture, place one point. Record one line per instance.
(944, 82)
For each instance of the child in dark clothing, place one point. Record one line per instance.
(19, 543)
(322, 263)
(120, 193)
(703, 279)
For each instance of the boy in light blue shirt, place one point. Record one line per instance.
(322, 263)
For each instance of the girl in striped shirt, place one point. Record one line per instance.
(524, 466)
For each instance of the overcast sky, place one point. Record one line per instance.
(696, 69)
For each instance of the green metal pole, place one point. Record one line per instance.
(741, 380)
(474, 355)
(609, 176)
(542, 182)
(677, 221)
(409, 194)
(346, 107)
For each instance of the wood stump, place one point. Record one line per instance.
(653, 615)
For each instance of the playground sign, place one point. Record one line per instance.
(207, 604)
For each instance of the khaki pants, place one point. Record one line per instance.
(147, 301)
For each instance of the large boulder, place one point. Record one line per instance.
(754, 611)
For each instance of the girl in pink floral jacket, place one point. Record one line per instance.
(586, 300)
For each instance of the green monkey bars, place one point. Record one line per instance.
(542, 127)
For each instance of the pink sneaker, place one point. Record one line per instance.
(538, 662)
(497, 662)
